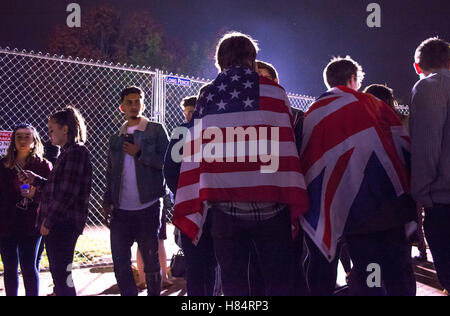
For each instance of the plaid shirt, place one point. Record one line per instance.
(256, 211)
(66, 192)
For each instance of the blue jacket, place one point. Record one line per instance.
(152, 139)
(171, 168)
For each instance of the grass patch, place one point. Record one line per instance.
(88, 250)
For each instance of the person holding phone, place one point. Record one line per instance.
(134, 189)
(19, 239)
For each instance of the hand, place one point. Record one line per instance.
(31, 193)
(131, 149)
(107, 210)
(27, 177)
(44, 230)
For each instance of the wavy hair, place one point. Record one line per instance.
(11, 153)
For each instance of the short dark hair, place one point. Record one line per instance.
(433, 53)
(269, 67)
(131, 90)
(236, 49)
(340, 70)
(189, 101)
(76, 127)
(382, 92)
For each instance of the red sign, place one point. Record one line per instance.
(5, 136)
(5, 139)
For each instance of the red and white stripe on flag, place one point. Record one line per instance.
(239, 175)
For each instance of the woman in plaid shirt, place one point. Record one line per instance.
(63, 208)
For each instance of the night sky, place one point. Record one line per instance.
(298, 36)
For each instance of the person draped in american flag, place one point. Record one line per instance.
(241, 167)
(355, 155)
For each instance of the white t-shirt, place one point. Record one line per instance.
(129, 195)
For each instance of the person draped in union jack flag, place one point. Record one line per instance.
(355, 156)
(241, 168)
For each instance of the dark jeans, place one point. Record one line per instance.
(142, 227)
(391, 251)
(274, 250)
(60, 244)
(200, 263)
(437, 231)
(39, 254)
(421, 244)
(24, 250)
(345, 259)
(256, 279)
(300, 287)
(321, 275)
(255, 276)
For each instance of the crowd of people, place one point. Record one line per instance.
(354, 180)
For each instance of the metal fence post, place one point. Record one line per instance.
(159, 97)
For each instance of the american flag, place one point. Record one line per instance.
(355, 155)
(238, 98)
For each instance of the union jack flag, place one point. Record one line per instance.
(219, 167)
(355, 154)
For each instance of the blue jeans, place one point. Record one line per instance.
(142, 227)
(273, 247)
(437, 231)
(392, 252)
(24, 250)
(60, 244)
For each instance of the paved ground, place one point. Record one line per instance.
(100, 281)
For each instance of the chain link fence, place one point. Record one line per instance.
(32, 86)
(177, 88)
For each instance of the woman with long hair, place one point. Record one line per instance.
(64, 206)
(19, 239)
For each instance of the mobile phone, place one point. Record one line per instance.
(20, 170)
(129, 138)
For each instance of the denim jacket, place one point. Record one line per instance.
(152, 139)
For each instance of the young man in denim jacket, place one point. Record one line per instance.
(134, 189)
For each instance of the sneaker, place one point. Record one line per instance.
(166, 283)
(136, 276)
(141, 286)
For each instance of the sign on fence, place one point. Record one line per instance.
(178, 81)
(5, 139)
